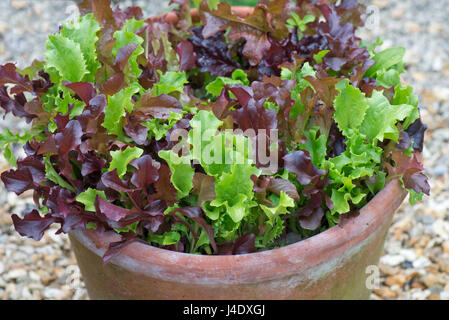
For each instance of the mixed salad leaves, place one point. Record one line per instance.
(106, 106)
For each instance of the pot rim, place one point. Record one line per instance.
(297, 257)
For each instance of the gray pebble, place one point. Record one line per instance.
(440, 170)
(17, 274)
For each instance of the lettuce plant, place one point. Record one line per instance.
(108, 107)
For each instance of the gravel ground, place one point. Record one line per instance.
(415, 262)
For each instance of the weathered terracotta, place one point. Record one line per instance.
(330, 265)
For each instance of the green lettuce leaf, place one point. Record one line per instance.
(7, 139)
(170, 82)
(284, 203)
(350, 106)
(115, 110)
(271, 233)
(127, 36)
(158, 128)
(52, 175)
(234, 191)
(317, 147)
(204, 125)
(386, 59)
(121, 159)
(301, 84)
(215, 87)
(88, 198)
(84, 33)
(181, 172)
(65, 56)
(381, 118)
(405, 95)
(165, 239)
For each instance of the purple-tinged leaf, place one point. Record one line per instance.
(416, 132)
(33, 225)
(70, 138)
(244, 244)
(123, 55)
(146, 172)
(277, 185)
(187, 57)
(115, 248)
(299, 163)
(157, 107)
(111, 180)
(313, 221)
(18, 181)
(135, 130)
(111, 211)
(113, 84)
(9, 75)
(85, 90)
(410, 169)
(213, 53)
(15, 105)
(90, 164)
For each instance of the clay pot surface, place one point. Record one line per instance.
(331, 265)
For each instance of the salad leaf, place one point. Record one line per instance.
(350, 106)
(65, 56)
(84, 32)
(234, 191)
(116, 108)
(52, 175)
(170, 82)
(386, 59)
(121, 159)
(127, 36)
(238, 77)
(381, 118)
(88, 198)
(181, 172)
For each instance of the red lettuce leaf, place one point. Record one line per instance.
(111, 180)
(410, 169)
(146, 172)
(213, 53)
(300, 163)
(187, 56)
(33, 225)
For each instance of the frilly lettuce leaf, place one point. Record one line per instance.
(284, 203)
(88, 198)
(84, 33)
(121, 159)
(65, 59)
(170, 82)
(158, 128)
(127, 36)
(215, 87)
(234, 191)
(115, 110)
(350, 106)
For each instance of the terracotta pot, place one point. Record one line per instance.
(330, 265)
